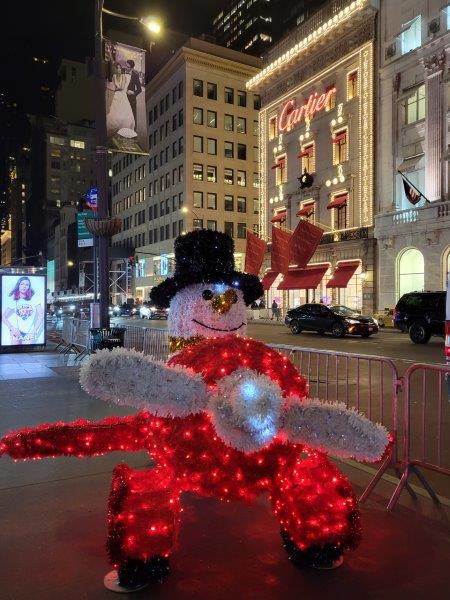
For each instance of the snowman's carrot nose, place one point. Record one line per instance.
(221, 304)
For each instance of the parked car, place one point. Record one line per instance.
(338, 320)
(148, 311)
(421, 314)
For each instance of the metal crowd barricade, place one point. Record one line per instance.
(156, 343)
(426, 415)
(65, 344)
(134, 338)
(80, 337)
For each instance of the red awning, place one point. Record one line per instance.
(308, 151)
(268, 279)
(306, 211)
(338, 201)
(353, 76)
(343, 273)
(339, 137)
(279, 164)
(279, 217)
(304, 279)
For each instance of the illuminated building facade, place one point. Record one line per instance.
(317, 148)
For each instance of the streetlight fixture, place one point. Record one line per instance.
(101, 149)
(70, 263)
(185, 210)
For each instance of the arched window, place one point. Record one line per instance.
(410, 277)
(445, 267)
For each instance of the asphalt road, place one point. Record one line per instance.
(387, 343)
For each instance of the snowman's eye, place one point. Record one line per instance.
(207, 294)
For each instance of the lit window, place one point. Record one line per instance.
(197, 224)
(256, 206)
(228, 176)
(411, 37)
(340, 146)
(211, 174)
(280, 170)
(77, 144)
(308, 158)
(272, 127)
(241, 125)
(307, 210)
(255, 180)
(198, 172)
(414, 106)
(228, 122)
(352, 85)
(59, 141)
(241, 178)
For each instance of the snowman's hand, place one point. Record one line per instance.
(133, 379)
(245, 410)
(334, 429)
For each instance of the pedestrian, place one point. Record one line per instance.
(275, 311)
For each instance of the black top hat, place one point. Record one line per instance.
(205, 256)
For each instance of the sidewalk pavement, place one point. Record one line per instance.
(53, 523)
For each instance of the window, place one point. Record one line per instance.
(180, 117)
(228, 176)
(180, 173)
(174, 202)
(174, 122)
(162, 205)
(212, 146)
(77, 144)
(241, 231)
(174, 95)
(256, 206)
(211, 91)
(229, 228)
(211, 201)
(255, 181)
(167, 231)
(228, 122)
(198, 199)
(229, 150)
(415, 106)
(59, 141)
(241, 204)
(180, 145)
(174, 229)
(211, 225)
(307, 210)
(308, 158)
(155, 112)
(150, 213)
(411, 37)
(241, 98)
(411, 274)
(198, 87)
(229, 95)
(242, 151)
(211, 174)
(340, 147)
(198, 143)
(198, 172)
(174, 176)
(167, 101)
(340, 217)
(256, 101)
(198, 116)
(229, 202)
(161, 233)
(174, 149)
(211, 118)
(331, 103)
(180, 90)
(241, 178)
(352, 85)
(167, 180)
(255, 127)
(55, 164)
(197, 224)
(241, 125)
(280, 170)
(161, 106)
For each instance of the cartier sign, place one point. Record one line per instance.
(290, 115)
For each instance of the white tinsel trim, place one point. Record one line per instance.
(130, 378)
(245, 410)
(335, 429)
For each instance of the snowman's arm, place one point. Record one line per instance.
(334, 429)
(133, 379)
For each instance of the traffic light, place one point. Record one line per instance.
(131, 260)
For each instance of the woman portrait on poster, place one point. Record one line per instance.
(23, 314)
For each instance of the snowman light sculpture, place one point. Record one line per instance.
(226, 417)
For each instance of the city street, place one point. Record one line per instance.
(388, 343)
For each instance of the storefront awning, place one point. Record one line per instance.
(343, 273)
(306, 211)
(338, 201)
(409, 164)
(268, 279)
(304, 279)
(279, 217)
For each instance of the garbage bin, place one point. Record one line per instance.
(106, 338)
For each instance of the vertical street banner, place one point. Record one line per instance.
(303, 243)
(280, 250)
(85, 237)
(254, 253)
(126, 115)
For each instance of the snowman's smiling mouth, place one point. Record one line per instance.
(216, 328)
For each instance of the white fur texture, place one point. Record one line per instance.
(334, 429)
(245, 410)
(188, 304)
(130, 378)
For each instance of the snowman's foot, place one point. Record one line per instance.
(322, 557)
(135, 574)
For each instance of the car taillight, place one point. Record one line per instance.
(447, 340)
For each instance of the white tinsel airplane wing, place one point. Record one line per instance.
(130, 378)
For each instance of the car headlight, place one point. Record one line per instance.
(375, 321)
(152, 309)
(116, 309)
(352, 321)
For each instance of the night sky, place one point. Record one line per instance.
(64, 28)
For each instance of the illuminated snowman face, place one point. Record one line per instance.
(207, 310)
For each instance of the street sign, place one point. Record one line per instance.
(85, 238)
(91, 198)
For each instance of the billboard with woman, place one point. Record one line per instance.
(23, 307)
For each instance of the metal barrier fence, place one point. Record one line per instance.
(74, 337)
(151, 341)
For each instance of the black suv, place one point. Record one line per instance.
(421, 314)
(338, 320)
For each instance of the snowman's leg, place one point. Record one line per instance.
(143, 522)
(317, 511)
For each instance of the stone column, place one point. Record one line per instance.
(434, 66)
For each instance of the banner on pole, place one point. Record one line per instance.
(254, 253)
(85, 237)
(303, 243)
(280, 250)
(126, 114)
